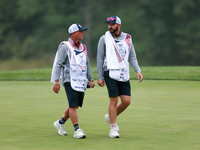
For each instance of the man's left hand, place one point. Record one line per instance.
(139, 76)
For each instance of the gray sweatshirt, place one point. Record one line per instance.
(62, 66)
(101, 56)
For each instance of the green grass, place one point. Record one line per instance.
(149, 73)
(163, 115)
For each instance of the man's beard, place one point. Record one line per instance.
(115, 30)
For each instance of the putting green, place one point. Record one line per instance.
(163, 115)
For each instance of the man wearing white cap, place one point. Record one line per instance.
(115, 51)
(72, 68)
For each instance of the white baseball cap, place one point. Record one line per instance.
(76, 27)
(114, 19)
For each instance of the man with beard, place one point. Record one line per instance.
(115, 51)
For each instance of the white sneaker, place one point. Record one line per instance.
(60, 128)
(114, 133)
(108, 120)
(79, 134)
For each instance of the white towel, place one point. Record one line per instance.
(114, 60)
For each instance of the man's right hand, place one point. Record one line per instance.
(56, 87)
(101, 82)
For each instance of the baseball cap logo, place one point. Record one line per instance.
(111, 19)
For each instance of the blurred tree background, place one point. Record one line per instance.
(164, 32)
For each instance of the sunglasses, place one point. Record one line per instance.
(111, 19)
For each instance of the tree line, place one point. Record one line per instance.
(164, 32)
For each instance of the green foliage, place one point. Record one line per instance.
(164, 32)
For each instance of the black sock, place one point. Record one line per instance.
(62, 121)
(76, 126)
